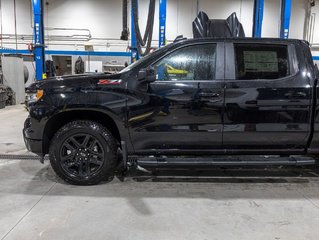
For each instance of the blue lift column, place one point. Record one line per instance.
(258, 18)
(285, 18)
(38, 38)
(162, 23)
(134, 50)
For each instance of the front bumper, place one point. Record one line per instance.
(33, 145)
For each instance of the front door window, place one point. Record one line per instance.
(189, 63)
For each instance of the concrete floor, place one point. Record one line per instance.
(11, 125)
(34, 204)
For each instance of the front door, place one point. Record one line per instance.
(182, 111)
(267, 99)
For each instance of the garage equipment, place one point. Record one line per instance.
(204, 27)
(3, 97)
(29, 72)
(285, 18)
(258, 17)
(148, 35)
(13, 75)
(39, 45)
(7, 96)
(50, 68)
(79, 66)
(125, 31)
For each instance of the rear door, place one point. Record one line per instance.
(181, 112)
(267, 98)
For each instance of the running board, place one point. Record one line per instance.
(163, 161)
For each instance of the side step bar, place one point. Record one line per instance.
(163, 161)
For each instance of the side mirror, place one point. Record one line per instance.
(146, 75)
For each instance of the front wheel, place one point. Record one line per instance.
(83, 153)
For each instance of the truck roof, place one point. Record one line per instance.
(265, 40)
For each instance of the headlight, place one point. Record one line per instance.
(34, 97)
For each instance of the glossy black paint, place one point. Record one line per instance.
(268, 114)
(178, 116)
(71, 98)
(219, 116)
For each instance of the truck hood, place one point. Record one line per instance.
(72, 81)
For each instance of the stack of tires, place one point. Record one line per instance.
(3, 98)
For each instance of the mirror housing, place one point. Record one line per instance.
(146, 75)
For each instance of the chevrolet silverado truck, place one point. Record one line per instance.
(191, 104)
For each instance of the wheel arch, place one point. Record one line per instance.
(62, 118)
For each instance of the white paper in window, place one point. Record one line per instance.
(261, 61)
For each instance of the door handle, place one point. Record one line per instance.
(209, 94)
(296, 95)
(251, 102)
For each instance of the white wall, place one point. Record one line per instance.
(271, 18)
(104, 19)
(23, 16)
(298, 18)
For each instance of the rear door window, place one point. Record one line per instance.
(261, 61)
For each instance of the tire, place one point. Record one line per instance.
(83, 153)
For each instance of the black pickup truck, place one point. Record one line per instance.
(181, 106)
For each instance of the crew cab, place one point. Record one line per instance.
(180, 106)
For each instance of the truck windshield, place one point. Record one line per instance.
(133, 65)
(130, 67)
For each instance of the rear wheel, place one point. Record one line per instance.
(83, 153)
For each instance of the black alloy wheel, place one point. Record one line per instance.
(83, 153)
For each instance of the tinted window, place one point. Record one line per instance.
(261, 61)
(189, 63)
